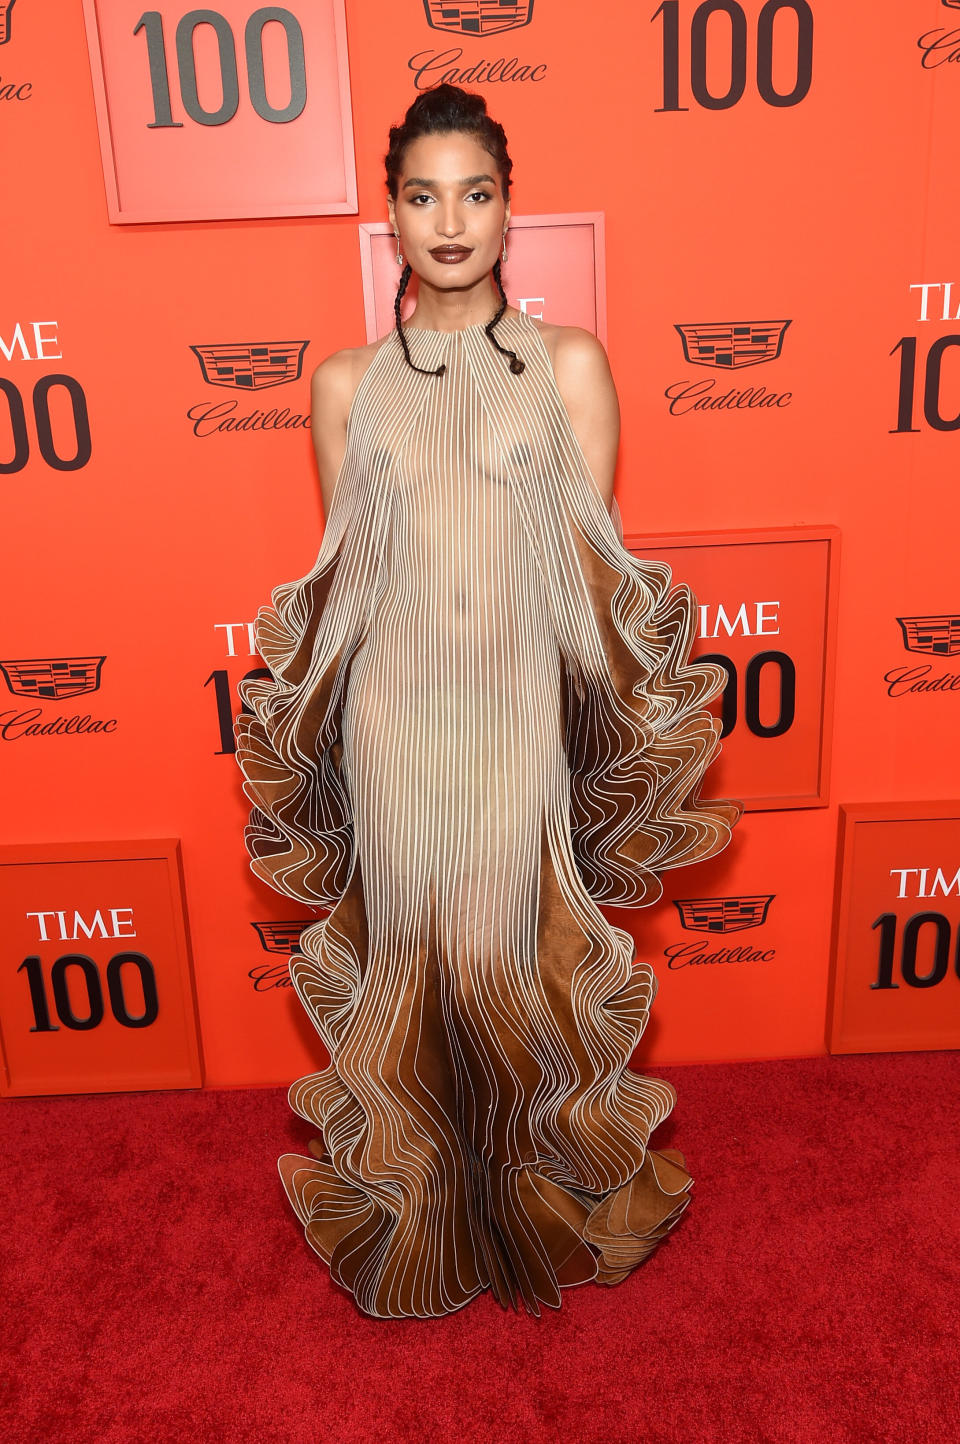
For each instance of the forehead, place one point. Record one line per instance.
(448, 157)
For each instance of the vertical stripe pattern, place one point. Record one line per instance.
(481, 722)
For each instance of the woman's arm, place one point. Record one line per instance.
(331, 391)
(586, 385)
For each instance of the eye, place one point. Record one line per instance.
(426, 196)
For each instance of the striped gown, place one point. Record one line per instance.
(481, 722)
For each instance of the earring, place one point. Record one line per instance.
(399, 256)
(504, 245)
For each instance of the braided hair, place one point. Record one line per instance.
(440, 111)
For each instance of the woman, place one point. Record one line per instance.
(482, 723)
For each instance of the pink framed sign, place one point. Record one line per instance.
(222, 114)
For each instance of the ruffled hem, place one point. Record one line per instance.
(627, 1224)
(602, 1240)
(416, 1223)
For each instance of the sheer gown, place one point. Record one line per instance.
(482, 723)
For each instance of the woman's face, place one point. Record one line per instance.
(448, 195)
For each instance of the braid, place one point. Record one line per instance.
(404, 283)
(516, 365)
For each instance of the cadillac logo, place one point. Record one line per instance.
(479, 17)
(938, 635)
(251, 366)
(722, 914)
(50, 677)
(732, 344)
(281, 937)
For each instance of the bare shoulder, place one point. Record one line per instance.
(335, 380)
(586, 386)
(578, 356)
(333, 386)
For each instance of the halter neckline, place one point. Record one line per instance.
(475, 326)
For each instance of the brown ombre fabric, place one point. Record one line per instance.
(482, 722)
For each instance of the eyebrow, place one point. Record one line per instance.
(469, 180)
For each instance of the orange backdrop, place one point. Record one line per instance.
(157, 551)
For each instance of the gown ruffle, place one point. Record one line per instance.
(481, 1128)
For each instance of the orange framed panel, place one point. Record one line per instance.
(767, 612)
(222, 114)
(555, 271)
(895, 946)
(97, 989)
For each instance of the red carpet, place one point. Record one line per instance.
(157, 1287)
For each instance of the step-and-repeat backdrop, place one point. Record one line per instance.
(754, 205)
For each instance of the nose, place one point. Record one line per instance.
(449, 220)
